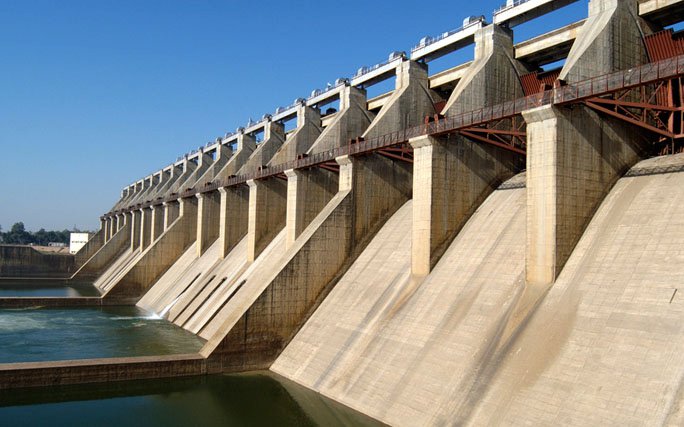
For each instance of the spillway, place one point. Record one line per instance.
(471, 344)
(381, 335)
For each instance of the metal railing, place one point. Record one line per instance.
(432, 40)
(509, 6)
(562, 95)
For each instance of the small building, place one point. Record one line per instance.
(77, 241)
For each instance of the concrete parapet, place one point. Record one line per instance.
(308, 191)
(267, 212)
(268, 310)
(157, 258)
(208, 220)
(233, 217)
(410, 102)
(301, 140)
(104, 257)
(451, 178)
(350, 122)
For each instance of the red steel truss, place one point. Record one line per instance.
(648, 96)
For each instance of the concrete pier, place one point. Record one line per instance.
(267, 211)
(157, 258)
(251, 333)
(208, 220)
(574, 156)
(300, 141)
(308, 191)
(233, 217)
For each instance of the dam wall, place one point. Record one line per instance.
(25, 261)
(363, 345)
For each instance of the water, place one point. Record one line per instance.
(255, 399)
(45, 334)
(46, 288)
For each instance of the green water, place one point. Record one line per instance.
(46, 288)
(256, 399)
(46, 334)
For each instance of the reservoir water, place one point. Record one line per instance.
(254, 399)
(46, 288)
(45, 334)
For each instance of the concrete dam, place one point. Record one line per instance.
(498, 243)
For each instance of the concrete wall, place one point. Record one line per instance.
(574, 156)
(274, 138)
(93, 245)
(410, 102)
(308, 191)
(265, 313)
(406, 350)
(208, 220)
(104, 257)
(267, 211)
(24, 261)
(301, 140)
(156, 259)
(351, 121)
(234, 217)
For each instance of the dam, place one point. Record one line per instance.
(497, 243)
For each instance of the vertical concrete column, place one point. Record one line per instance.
(308, 191)
(106, 225)
(171, 213)
(573, 159)
(136, 218)
(267, 207)
(234, 214)
(157, 221)
(574, 156)
(451, 178)
(112, 226)
(145, 227)
(207, 220)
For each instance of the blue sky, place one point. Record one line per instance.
(97, 94)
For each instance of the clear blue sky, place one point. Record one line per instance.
(97, 94)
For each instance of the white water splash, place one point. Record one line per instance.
(166, 309)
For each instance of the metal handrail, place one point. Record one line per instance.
(433, 40)
(509, 6)
(562, 95)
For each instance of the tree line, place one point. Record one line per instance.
(17, 235)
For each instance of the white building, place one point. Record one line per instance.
(77, 241)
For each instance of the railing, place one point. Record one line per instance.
(562, 95)
(510, 6)
(432, 40)
(367, 70)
